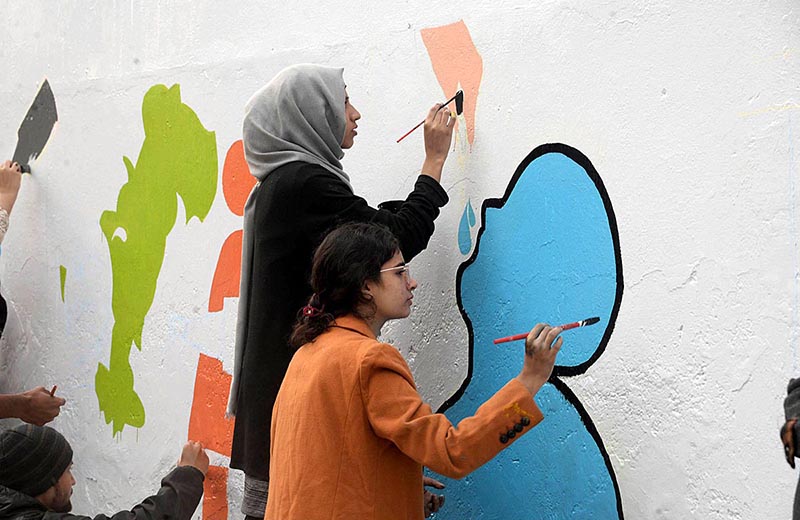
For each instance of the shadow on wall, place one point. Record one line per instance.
(548, 250)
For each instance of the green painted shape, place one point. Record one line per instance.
(178, 158)
(63, 280)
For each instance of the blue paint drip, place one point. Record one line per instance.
(546, 255)
(465, 229)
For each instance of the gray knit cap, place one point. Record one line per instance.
(33, 458)
(791, 405)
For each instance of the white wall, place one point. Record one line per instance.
(690, 114)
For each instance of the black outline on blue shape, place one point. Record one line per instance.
(560, 385)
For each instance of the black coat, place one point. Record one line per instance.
(295, 207)
(177, 499)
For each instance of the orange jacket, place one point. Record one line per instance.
(350, 433)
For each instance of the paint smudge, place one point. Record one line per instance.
(209, 426)
(465, 229)
(35, 130)
(548, 250)
(215, 494)
(237, 183)
(457, 64)
(178, 159)
(207, 422)
(63, 273)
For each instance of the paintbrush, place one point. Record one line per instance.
(35, 130)
(458, 98)
(573, 325)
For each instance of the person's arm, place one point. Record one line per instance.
(180, 491)
(439, 127)
(329, 202)
(35, 406)
(10, 180)
(397, 413)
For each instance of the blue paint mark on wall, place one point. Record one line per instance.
(465, 229)
(547, 251)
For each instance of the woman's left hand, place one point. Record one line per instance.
(433, 502)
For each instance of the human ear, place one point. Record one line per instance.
(366, 292)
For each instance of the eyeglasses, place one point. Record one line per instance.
(405, 269)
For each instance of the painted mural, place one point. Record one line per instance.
(458, 65)
(548, 250)
(36, 127)
(178, 159)
(237, 183)
(209, 425)
(699, 347)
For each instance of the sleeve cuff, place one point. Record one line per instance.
(434, 188)
(521, 412)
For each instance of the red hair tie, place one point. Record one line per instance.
(312, 312)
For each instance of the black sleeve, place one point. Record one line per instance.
(330, 202)
(177, 499)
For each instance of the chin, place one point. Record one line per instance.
(63, 508)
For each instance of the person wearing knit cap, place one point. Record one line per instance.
(36, 480)
(790, 432)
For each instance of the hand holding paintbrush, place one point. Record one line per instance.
(438, 137)
(459, 101)
(568, 326)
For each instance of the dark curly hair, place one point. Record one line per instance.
(349, 256)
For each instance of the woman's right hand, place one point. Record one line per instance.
(438, 135)
(541, 348)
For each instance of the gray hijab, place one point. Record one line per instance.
(298, 116)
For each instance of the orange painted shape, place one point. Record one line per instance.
(228, 272)
(215, 494)
(456, 60)
(237, 183)
(207, 423)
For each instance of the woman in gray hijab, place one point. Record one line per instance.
(295, 130)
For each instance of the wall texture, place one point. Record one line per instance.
(634, 161)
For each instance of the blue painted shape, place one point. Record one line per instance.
(465, 229)
(549, 253)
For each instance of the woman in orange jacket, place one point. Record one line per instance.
(350, 433)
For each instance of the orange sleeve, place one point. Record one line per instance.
(397, 413)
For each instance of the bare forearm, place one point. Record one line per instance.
(432, 167)
(7, 200)
(10, 405)
(36, 406)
